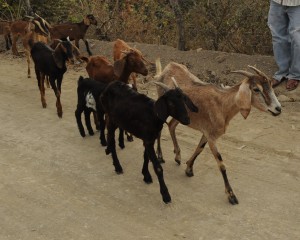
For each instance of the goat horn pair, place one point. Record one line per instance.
(165, 87)
(40, 27)
(43, 20)
(258, 71)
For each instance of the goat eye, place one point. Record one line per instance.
(256, 90)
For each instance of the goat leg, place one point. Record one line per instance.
(78, 112)
(158, 150)
(121, 138)
(158, 171)
(102, 124)
(111, 147)
(190, 163)
(87, 47)
(145, 170)
(231, 196)
(87, 119)
(172, 126)
(40, 79)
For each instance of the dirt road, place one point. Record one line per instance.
(56, 185)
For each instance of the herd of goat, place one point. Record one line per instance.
(115, 103)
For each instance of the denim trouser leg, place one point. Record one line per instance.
(284, 23)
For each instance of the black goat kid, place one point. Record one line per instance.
(88, 91)
(52, 63)
(144, 118)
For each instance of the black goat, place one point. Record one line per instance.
(53, 64)
(88, 91)
(144, 118)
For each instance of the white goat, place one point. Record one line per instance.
(217, 106)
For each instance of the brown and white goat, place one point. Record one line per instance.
(75, 31)
(119, 49)
(5, 31)
(217, 106)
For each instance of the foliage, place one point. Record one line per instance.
(224, 25)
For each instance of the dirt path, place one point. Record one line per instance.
(56, 185)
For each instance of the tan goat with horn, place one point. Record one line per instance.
(217, 106)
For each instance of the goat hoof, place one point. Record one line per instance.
(148, 179)
(189, 173)
(233, 199)
(121, 145)
(60, 114)
(44, 105)
(178, 161)
(91, 133)
(104, 143)
(129, 138)
(82, 134)
(107, 151)
(161, 160)
(119, 171)
(167, 198)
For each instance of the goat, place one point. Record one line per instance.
(218, 106)
(5, 31)
(100, 69)
(118, 52)
(88, 91)
(53, 64)
(75, 31)
(24, 29)
(144, 118)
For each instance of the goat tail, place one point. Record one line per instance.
(158, 66)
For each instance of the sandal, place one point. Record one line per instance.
(291, 84)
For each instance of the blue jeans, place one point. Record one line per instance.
(284, 23)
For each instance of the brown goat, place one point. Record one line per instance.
(5, 31)
(100, 69)
(75, 31)
(120, 47)
(217, 106)
(25, 29)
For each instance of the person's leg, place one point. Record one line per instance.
(294, 32)
(278, 22)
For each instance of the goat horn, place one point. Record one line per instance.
(68, 38)
(258, 71)
(175, 83)
(40, 27)
(162, 85)
(245, 73)
(29, 17)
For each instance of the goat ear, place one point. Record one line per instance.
(86, 21)
(161, 108)
(119, 67)
(188, 102)
(243, 99)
